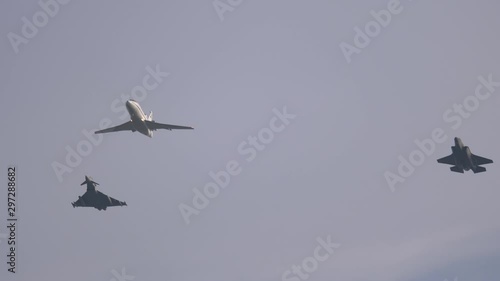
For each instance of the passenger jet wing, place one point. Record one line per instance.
(127, 126)
(154, 126)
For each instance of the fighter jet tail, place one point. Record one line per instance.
(88, 180)
(457, 169)
(479, 169)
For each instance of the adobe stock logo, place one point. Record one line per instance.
(249, 148)
(363, 38)
(121, 276)
(49, 9)
(310, 264)
(223, 6)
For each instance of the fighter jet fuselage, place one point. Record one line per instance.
(463, 155)
(94, 198)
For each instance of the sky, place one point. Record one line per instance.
(321, 122)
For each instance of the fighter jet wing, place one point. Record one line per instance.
(81, 203)
(109, 201)
(127, 126)
(154, 126)
(450, 160)
(481, 160)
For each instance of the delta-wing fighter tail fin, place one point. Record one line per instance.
(89, 180)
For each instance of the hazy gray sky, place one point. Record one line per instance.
(321, 177)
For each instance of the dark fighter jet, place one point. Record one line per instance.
(94, 198)
(462, 159)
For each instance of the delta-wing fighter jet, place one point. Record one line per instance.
(463, 159)
(141, 122)
(94, 198)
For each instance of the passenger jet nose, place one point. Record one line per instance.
(128, 105)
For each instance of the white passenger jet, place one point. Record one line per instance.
(140, 122)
